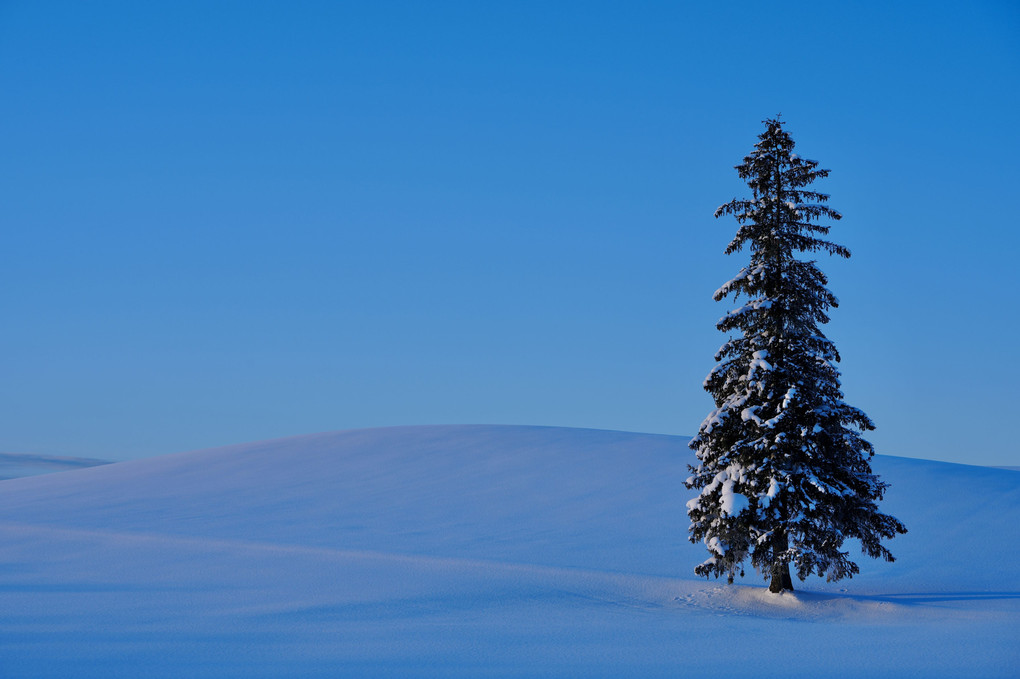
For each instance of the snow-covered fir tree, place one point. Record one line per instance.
(784, 474)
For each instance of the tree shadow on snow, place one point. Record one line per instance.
(920, 598)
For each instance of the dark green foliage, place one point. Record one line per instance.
(784, 474)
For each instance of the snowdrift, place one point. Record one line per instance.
(475, 551)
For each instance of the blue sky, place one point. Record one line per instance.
(230, 221)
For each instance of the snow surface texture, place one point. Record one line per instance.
(476, 551)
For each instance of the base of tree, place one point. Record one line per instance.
(781, 580)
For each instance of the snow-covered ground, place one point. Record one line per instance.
(476, 551)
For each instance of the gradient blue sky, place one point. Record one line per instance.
(230, 221)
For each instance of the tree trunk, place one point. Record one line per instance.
(781, 580)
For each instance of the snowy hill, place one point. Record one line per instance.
(475, 551)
